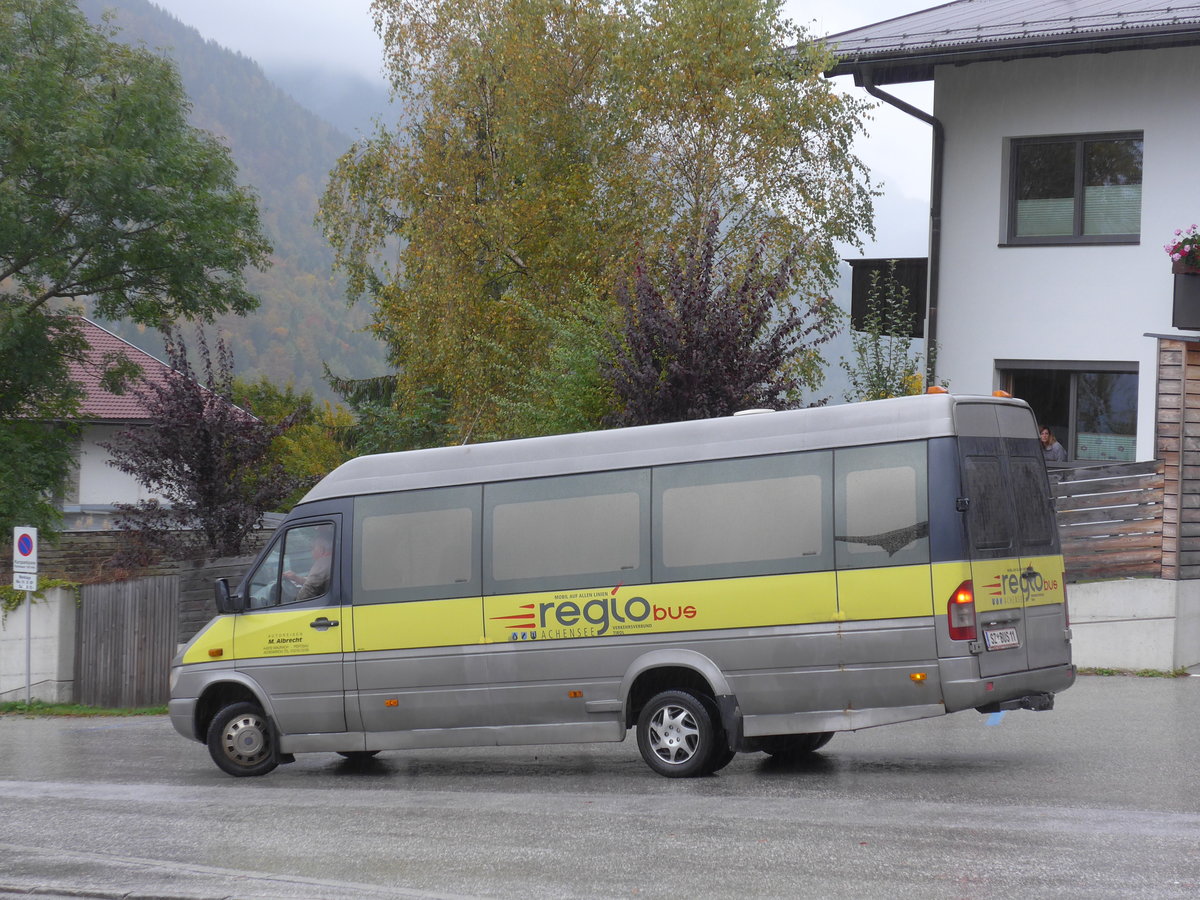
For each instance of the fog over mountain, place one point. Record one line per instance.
(284, 150)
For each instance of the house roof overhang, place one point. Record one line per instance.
(909, 48)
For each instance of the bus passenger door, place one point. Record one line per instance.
(420, 677)
(294, 632)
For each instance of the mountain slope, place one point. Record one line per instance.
(285, 152)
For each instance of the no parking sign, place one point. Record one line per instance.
(25, 560)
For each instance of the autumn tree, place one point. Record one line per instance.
(309, 448)
(210, 461)
(552, 141)
(106, 193)
(700, 341)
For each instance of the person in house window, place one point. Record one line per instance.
(1051, 448)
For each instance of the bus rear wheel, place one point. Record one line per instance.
(677, 736)
(241, 740)
(794, 746)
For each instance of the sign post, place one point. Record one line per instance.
(25, 566)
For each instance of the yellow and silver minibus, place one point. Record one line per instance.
(751, 583)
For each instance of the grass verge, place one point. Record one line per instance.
(38, 708)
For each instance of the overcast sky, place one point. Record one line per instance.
(340, 34)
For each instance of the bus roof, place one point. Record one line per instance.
(879, 421)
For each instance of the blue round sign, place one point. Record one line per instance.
(25, 545)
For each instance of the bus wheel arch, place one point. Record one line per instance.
(217, 697)
(675, 697)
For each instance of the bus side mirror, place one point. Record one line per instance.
(226, 602)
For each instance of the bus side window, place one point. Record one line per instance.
(567, 532)
(417, 545)
(754, 516)
(881, 506)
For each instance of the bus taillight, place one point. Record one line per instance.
(960, 613)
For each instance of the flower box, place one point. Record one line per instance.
(1185, 310)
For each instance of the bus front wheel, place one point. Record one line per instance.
(676, 735)
(241, 740)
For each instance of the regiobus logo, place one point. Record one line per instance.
(1019, 585)
(588, 613)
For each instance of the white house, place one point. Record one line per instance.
(1064, 136)
(1068, 137)
(95, 485)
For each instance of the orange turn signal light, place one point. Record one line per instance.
(216, 651)
(574, 695)
(391, 702)
(918, 677)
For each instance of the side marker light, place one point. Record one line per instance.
(391, 702)
(574, 695)
(918, 677)
(216, 651)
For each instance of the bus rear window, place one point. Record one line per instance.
(989, 516)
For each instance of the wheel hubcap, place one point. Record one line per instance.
(674, 735)
(245, 740)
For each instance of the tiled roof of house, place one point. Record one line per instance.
(908, 47)
(101, 404)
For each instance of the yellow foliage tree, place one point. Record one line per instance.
(548, 142)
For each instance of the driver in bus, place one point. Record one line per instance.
(316, 582)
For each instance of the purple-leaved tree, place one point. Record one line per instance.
(208, 459)
(696, 342)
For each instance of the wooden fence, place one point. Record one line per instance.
(124, 640)
(1110, 519)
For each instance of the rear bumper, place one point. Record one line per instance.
(962, 689)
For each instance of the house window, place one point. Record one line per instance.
(1090, 407)
(1075, 190)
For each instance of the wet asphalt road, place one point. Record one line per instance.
(1098, 798)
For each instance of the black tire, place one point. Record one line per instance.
(358, 755)
(793, 746)
(241, 740)
(721, 754)
(676, 735)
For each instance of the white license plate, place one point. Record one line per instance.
(1001, 638)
